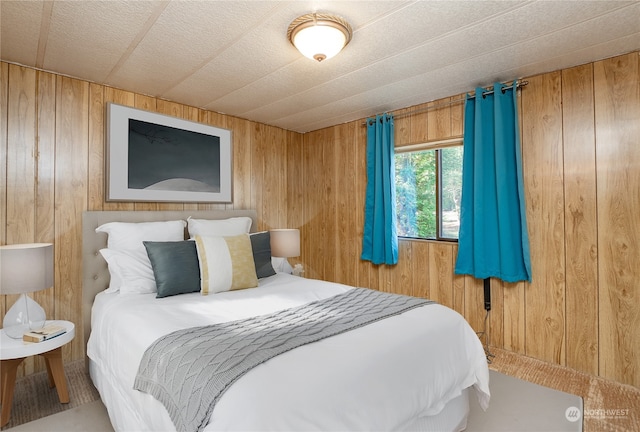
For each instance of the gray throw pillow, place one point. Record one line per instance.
(175, 267)
(261, 245)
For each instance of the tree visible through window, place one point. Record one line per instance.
(428, 191)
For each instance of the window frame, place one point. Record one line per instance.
(435, 146)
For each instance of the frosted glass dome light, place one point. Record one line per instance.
(319, 36)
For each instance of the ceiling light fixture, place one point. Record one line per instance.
(319, 36)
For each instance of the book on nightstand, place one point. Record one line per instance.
(45, 333)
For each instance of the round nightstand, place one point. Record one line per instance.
(14, 351)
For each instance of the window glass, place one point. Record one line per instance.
(451, 175)
(428, 189)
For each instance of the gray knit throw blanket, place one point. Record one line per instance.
(189, 370)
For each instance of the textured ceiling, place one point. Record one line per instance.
(233, 56)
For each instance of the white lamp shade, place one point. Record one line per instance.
(26, 268)
(285, 243)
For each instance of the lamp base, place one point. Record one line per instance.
(281, 265)
(25, 315)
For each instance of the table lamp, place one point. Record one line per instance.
(25, 268)
(285, 243)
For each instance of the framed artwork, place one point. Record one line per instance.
(159, 158)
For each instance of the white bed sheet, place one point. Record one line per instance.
(379, 377)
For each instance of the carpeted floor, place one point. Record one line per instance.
(608, 406)
(34, 399)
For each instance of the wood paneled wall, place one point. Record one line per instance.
(580, 132)
(53, 168)
(581, 152)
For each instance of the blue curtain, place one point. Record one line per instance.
(493, 239)
(380, 240)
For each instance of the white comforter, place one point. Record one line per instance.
(379, 377)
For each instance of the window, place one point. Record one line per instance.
(428, 191)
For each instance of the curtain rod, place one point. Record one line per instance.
(487, 91)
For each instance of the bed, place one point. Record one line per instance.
(413, 370)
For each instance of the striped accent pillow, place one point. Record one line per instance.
(226, 263)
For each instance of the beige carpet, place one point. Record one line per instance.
(608, 406)
(33, 399)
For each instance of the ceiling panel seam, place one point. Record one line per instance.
(153, 18)
(205, 62)
(45, 25)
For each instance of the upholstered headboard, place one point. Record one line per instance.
(95, 273)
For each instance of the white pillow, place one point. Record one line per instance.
(219, 228)
(115, 281)
(226, 263)
(132, 268)
(125, 235)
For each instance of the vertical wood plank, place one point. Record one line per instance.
(513, 295)
(242, 162)
(278, 196)
(217, 119)
(295, 187)
(419, 124)
(581, 235)
(315, 189)
(514, 317)
(328, 179)
(421, 270)
(21, 156)
(257, 167)
(308, 229)
(543, 180)
(294, 190)
(386, 278)
(4, 105)
(617, 109)
(307, 220)
(46, 129)
(441, 273)
(458, 283)
(403, 271)
(474, 302)
(144, 102)
(71, 167)
(439, 120)
(169, 108)
(346, 239)
(45, 178)
(97, 162)
(457, 116)
(401, 127)
(273, 177)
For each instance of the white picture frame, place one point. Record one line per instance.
(158, 158)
